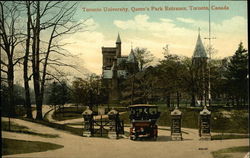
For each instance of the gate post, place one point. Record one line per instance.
(88, 122)
(114, 118)
(204, 124)
(176, 133)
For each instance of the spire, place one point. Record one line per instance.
(118, 39)
(131, 57)
(199, 51)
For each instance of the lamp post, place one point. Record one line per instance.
(209, 56)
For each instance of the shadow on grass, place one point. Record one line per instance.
(13, 146)
(75, 131)
(23, 129)
(221, 153)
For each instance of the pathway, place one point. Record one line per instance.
(78, 147)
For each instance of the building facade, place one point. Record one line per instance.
(116, 68)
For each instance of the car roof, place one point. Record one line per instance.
(142, 105)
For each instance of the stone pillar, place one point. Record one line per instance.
(88, 122)
(113, 117)
(176, 124)
(204, 124)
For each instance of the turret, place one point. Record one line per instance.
(118, 46)
(199, 51)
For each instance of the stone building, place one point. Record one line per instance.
(200, 73)
(115, 68)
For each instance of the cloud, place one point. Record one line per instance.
(186, 20)
(87, 47)
(144, 32)
(182, 39)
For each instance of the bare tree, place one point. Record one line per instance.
(10, 34)
(55, 26)
(25, 62)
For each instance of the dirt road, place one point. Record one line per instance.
(78, 147)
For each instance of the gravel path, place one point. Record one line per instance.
(78, 147)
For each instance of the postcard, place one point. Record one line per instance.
(106, 79)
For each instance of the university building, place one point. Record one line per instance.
(116, 68)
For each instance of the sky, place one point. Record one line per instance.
(142, 25)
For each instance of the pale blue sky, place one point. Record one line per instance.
(236, 8)
(154, 29)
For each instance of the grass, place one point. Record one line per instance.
(67, 113)
(72, 130)
(23, 129)
(19, 110)
(238, 123)
(221, 153)
(76, 112)
(13, 146)
(230, 136)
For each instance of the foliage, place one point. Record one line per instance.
(59, 93)
(88, 91)
(144, 57)
(18, 101)
(237, 75)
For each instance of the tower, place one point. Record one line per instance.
(115, 69)
(115, 92)
(118, 46)
(200, 73)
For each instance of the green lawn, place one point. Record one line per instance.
(75, 131)
(68, 113)
(225, 153)
(237, 123)
(228, 136)
(23, 129)
(13, 146)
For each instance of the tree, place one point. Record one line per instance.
(237, 75)
(58, 93)
(11, 37)
(171, 73)
(144, 57)
(88, 91)
(26, 78)
(61, 23)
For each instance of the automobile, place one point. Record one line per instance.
(143, 118)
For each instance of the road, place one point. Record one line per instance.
(78, 147)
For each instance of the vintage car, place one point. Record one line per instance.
(143, 118)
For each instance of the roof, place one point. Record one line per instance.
(199, 51)
(176, 111)
(142, 105)
(131, 57)
(205, 111)
(118, 39)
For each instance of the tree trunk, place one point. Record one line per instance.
(39, 114)
(178, 99)
(193, 100)
(25, 67)
(11, 89)
(132, 90)
(36, 64)
(232, 101)
(168, 100)
(237, 101)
